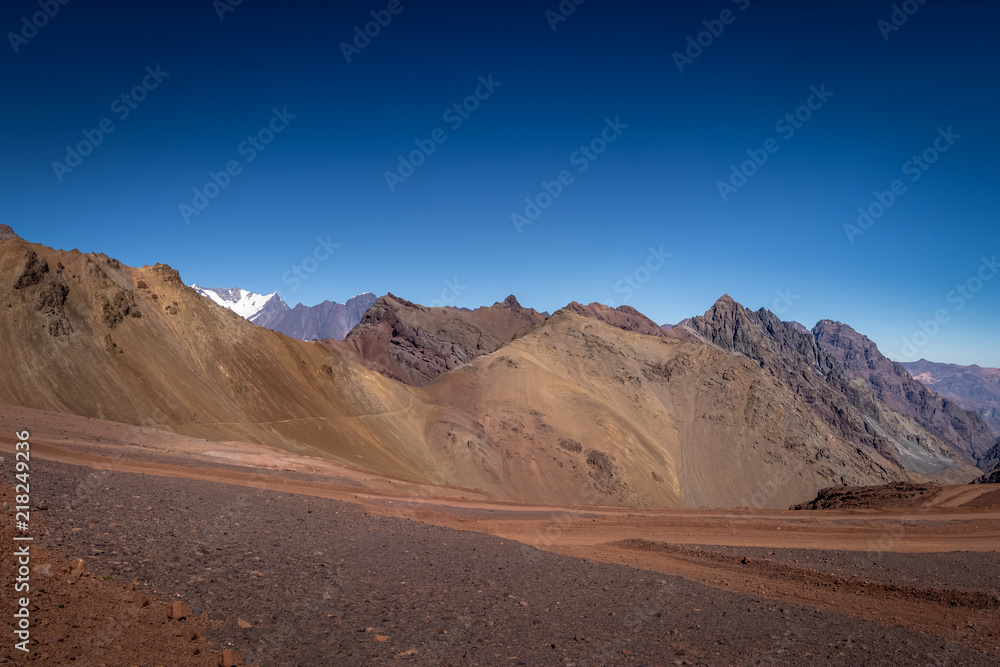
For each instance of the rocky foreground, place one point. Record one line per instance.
(290, 580)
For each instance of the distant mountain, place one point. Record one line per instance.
(964, 430)
(325, 320)
(244, 303)
(972, 387)
(320, 322)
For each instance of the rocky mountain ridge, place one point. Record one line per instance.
(973, 387)
(416, 344)
(965, 431)
(812, 370)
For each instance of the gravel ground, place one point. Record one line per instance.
(956, 570)
(320, 582)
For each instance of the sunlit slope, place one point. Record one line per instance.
(582, 411)
(86, 335)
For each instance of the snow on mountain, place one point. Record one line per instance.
(242, 302)
(325, 320)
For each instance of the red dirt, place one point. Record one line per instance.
(91, 618)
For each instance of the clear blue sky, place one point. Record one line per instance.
(323, 176)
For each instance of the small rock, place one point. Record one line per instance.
(243, 624)
(229, 659)
(178, 610)
(381, 638)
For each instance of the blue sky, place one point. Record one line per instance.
(777, 240)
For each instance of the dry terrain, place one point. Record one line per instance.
(294, 560)
(589, 406)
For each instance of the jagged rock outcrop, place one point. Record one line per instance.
(797, 360)
(897, 494)
(35, 269)
(416, 344)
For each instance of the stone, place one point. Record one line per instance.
(178, 610)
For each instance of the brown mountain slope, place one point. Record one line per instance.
(812, 372)
(626, 318)
(972, 387)
(86, 335)
(964, 431)
(586, 412)
(416, 344)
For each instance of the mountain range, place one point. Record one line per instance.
(591, 405)
(972, 387)
(328, 319)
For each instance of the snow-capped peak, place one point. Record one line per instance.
(242, 302)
